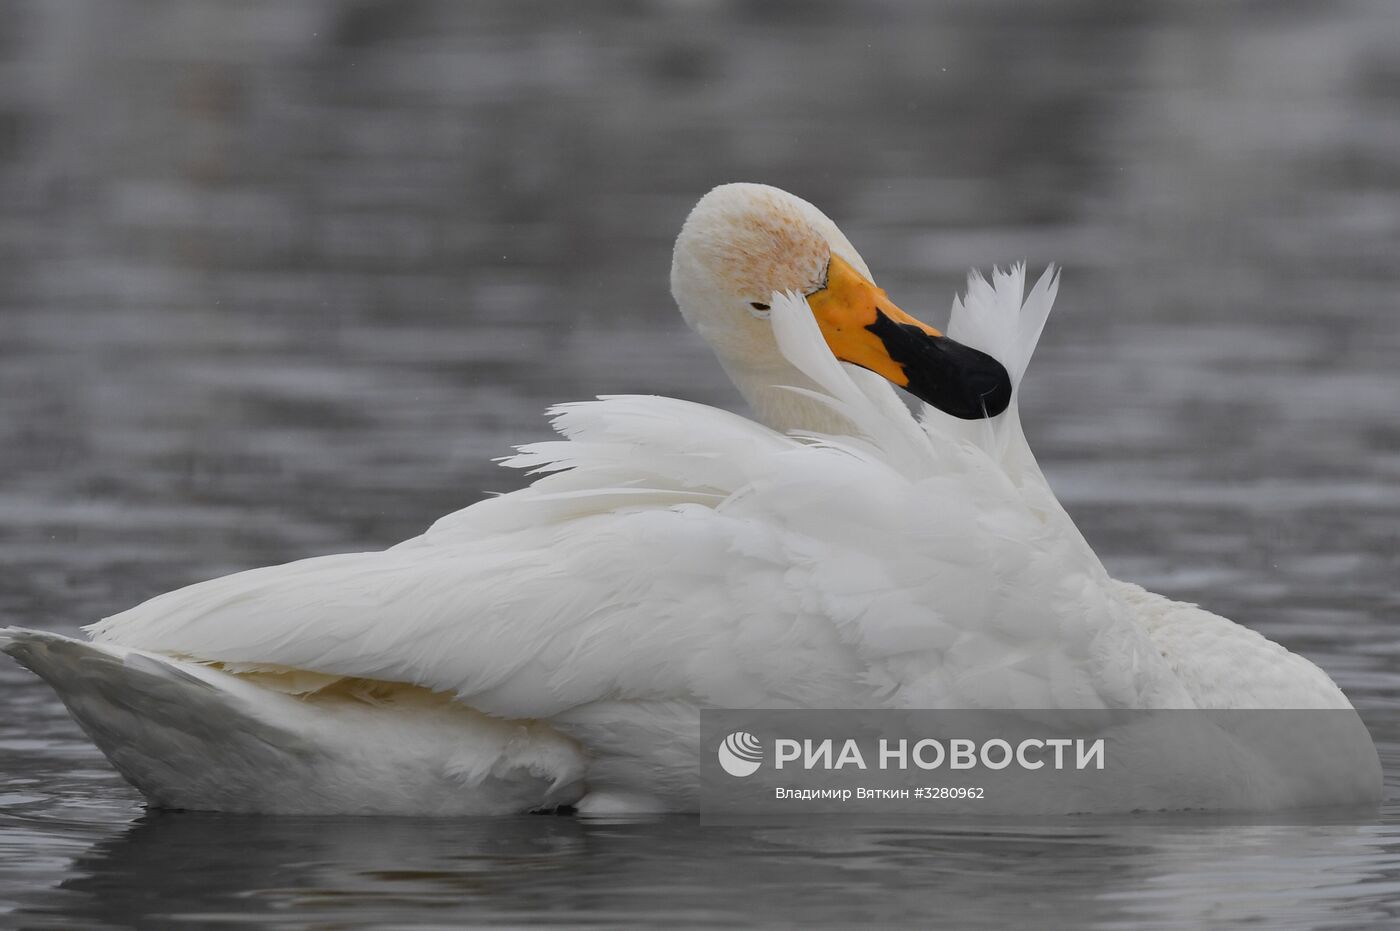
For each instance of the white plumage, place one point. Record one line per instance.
(553, 645)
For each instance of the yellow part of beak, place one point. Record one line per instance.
(846, 308)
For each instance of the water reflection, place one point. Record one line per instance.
(1146, 871)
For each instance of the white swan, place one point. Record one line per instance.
(552, 646)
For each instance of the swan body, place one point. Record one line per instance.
(553, 646)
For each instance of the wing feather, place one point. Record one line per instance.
(671, 551)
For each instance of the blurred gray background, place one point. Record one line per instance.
(279, 278)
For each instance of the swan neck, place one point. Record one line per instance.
(775, 405)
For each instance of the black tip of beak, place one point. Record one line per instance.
(966, 383)
(954, 378)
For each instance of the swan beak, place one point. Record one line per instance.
(863, 327)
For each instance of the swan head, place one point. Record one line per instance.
(743, 242)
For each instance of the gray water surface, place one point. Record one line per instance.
(280, 279)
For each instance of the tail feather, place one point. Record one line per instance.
(154, 716)
(191, 736)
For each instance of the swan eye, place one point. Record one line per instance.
(759, 309)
